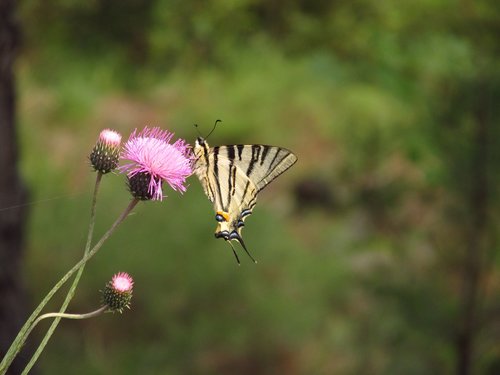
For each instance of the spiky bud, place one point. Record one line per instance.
(118, 292)
(106, 152)
(139, 186)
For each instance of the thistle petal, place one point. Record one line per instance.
(150, 151)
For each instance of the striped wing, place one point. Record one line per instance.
(261, 163)
(232, 176)
(234, 169)
(226, 186)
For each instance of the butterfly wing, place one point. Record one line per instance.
(232, 176)
(261, 163)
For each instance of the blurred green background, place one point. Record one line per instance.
(378, 251)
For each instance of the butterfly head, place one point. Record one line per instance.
(200, 147)
(200, 142)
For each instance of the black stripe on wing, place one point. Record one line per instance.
(240, 150)
(231, 175)
(265, 151)
(253, 159)
(278, 158)
(216, 172)
(211, 194)
(247, 185)
(278, 149)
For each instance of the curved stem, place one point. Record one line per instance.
(21, 336)
(91, 314)
(72, 289)
(65, 316)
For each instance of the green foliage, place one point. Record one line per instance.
(389, 106)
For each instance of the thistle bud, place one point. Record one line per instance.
(106, 153)
(118, 292)
(139, 185)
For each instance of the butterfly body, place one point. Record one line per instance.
(232, 176)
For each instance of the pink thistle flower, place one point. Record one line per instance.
(154, 160)
(110, 138)
(118, 292)
(122, 282)
(105, 154)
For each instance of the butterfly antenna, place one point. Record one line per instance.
(215, 125)
(234, 252)
(198, 130)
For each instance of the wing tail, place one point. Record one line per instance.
(236, 236)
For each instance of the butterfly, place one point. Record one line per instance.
(232, 176)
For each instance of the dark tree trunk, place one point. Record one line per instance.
(476, 245)
(13, 194)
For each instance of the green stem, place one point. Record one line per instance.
(92, 314)
(72, 289)
(21, 336)
(65, 316)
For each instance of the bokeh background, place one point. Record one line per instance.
(378, 251)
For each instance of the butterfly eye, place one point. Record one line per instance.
(219, 218)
